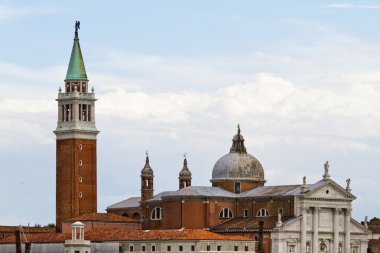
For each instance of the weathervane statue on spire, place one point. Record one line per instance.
(77, 26)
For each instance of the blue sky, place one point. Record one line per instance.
(301, 77)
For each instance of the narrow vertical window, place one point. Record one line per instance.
(62, 113)
(80, 179)
(180, 248)
(218, 248)
(80, 112)
(246, 247)
(80, 146)
(89, 112)
(143, 248)
(80, 195)
(131, 248)
(237, 187)
(80, 163)
(192, 247)
(236, 248)
(169, 248)
(153, 247)
(245, 213)
(208, 247)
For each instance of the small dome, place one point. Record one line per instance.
(185, 172)
(147, 170)
(238, 165)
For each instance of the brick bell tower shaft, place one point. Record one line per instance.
(76, 191)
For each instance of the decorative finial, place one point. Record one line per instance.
(304, 181)
(326, 175)
(147, 156)
(60, 89)
(348, 181)
(184, 155)
(92, 89)
(77, 26)
(238, 126)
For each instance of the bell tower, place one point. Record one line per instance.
(76, 192)
(184, 175)
(147, 176)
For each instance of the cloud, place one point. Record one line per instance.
(268, 104)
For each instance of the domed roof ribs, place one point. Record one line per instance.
(185, 172)
(147, 170)
(238, 143)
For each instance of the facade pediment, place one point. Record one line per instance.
(328, 189)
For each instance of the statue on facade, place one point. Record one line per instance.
(77, 26)
(348, 181)
(326, 175)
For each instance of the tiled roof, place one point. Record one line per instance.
(100, 235)
(12, 229)
(38, 238)
(202, 191)
(269, 191)
(127, 203)
(159, 196)
(104, 217)
(248, 223)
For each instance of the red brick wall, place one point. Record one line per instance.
(68, 173)
(244, 186)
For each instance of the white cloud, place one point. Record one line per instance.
(268, 104)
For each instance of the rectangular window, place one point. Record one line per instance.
(143, 248)
(130, 247)
(80, 163)
(80, 179)
(153, 247)
(180, 248)
(218, 248)
(208, 247)
(192, 247)
(245, 213)
(80, 195)
(236, 248)
(169, 248)
(237, 187)
(80, 146)
(246, 248)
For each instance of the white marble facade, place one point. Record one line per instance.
(323, 223)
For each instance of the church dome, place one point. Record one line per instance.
(238, 165)
(147, 170)
(185, 172)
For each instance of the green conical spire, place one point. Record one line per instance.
(76, 69)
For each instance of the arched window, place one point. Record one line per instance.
(156, 213)
(225, 213)
(262, 212)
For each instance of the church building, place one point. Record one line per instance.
(297, 218)
(314, 217)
